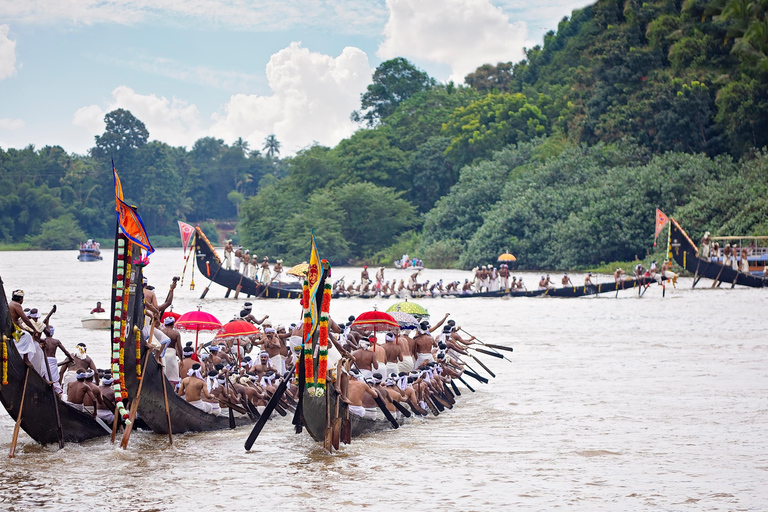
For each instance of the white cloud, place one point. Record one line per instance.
(313, 95)
(7, 53)
(345, 15)
(462, 34)
(11, 124)
(173, 121)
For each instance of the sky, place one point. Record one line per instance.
(236, 68)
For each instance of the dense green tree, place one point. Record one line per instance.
(432, 173)
(394, 81)
(123, 135)
(59, 233)
(368, 156)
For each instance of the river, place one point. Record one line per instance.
(658, 403)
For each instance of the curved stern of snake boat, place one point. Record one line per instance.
(210, 265)
(39, 416)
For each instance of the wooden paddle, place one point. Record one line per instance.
(328, 434)
(500, 347)
(488, 352)
(475, 376)
(336, 425)
(135, 403)
(465, 383)
(56, 406)
(16, 427)
(483, 365)
(205, 292)
(239, 287)
(400, 407)
(266, 414)
(386, 412)
(456, 391)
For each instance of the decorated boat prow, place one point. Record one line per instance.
(38, 418)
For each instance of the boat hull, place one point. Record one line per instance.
(210, 265)
(686, 254)
(89, 255)
(96, 321)
(39, 413)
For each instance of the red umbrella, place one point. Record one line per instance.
(236, 329)
(197, 321)
(376, 321)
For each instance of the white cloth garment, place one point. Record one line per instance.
(29, 347)
(53, 364)
(422, 357)
(171, 363)
(277, 364)
(203, 406)
(406, 365)
(106, 415)
(357, 409)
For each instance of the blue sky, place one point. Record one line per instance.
(235, 68)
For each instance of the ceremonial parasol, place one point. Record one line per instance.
(376, 321)
(507, 258)
(404, 320)
(237, 329)
(409, 307)
(299, 270)
(197, 321)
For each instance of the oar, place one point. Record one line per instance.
(465, 383)
(483, 343)
(114, 426)
(405, 412)
(483, 365)
(336, 426)
(456, 391)
(384, 410)
(476, 376)
(186, 260)
(165, 398)
(266, 414)
(16, 427)
(229, 408)
(499, 347)
(487, 352)
(205, 292)
(722, 267)
(135, 403)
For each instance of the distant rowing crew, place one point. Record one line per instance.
(240, 260)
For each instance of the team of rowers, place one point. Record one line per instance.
(242, 374)
(240, 260)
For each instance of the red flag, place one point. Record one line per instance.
(128, 218)
(186, 234)
(661, 221)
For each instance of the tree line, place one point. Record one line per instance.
(560, 158)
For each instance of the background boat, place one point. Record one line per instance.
(96, 321)
(89, 255)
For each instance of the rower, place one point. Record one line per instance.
(588, 280)
(393, 353)
(424, 344)
(706, 247)
(265, 270)
(246, 314)
(277, 270)
(566, 281)
(81, 361)
(619, 273)
(364, 274)
(93, 400)
(246, 263)
(50, 345)
(186, 359)
(356, 393)
(106, 409)
(365, 359)
(194, 390)
(78, 390)
(238, 257)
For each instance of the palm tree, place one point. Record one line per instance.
(242, 144)
(272, 146)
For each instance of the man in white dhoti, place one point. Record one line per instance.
(706, 246)
(228, 250)
(194, 389)
(29, 349)
(265, 273)
(238, 257)
(50, 346)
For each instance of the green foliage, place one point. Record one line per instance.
(490, 123)
(368, 156)
(60, 233)
(394, 81)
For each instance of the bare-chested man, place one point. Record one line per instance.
(424, 345)
(618, 275)
(88, 402)
(78, 390)
(106, 410)
(171, 359)
(81, 361)
(246, 258)
(588, 280)
(50, 345)
(194, 390)
(393, 354)
(407, 352)
(357, 404)
(186, 362)
(265, 278)
(365, 359)
(566, 281)
(262, 365)
(364, 274)
(272, 344)
(26, 336)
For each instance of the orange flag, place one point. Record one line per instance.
(661, 221)
(128, 218)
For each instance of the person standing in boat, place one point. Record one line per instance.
(50, 345)
(566, 281)
(27, 335)
(277, 271)
(246, 263)
(97, 309)
(666, 273)
(171, 352)
(706, 247)
(618, 275)
(380, 278)
(588, 280)
(238, 257)
(744, 264)
(727, 255)
(228, 249)
(504, 276)
(265, 270)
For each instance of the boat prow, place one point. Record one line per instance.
(96, 321)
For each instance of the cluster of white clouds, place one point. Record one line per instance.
(312, 94)
(8, 69)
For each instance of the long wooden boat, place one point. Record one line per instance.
(210, 265)
(184, 417)
(39, 413)
(314, 414)
(686, 254)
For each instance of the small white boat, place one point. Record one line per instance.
(96, 321)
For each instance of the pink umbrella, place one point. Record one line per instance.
(197, 321)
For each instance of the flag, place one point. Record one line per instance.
(661, 221)
(128, 218)
(186, 234)
(314, 273)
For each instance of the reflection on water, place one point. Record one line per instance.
(609, 404)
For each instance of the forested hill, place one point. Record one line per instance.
(559, 159)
